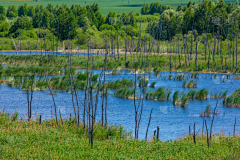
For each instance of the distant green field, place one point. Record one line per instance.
(106, 6)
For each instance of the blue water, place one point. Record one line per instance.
(45, 53)
(173, 120)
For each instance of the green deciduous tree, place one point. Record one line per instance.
(2, 18)
(22, 10)
(30, 11)
(4, 28)
(2, 10)
(12, 11)
(65, 23)
(22, 22)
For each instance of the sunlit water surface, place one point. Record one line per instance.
(173, 120)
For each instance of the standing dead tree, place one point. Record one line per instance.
(138, 107)
(90, 107)
(70, 77)
(148, 124)
(207, 132)
(234, 128)
(55, 107)
(29, 99)
(214, 112)
(103, 95)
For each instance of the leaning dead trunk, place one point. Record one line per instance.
(148, 124)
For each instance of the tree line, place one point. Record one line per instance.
(62, 20)
(217, 19)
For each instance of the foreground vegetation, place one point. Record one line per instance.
(27, 140)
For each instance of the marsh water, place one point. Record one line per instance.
(45, 53)
(173, 120)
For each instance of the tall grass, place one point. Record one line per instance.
(207, 112)
(28, 70)
(218, 95)
(80, 62)
(56, 83)
(233, 100)
(152, 85)
(119, 84)
(46, 141)
(179, 77)
(191, 84)
(125, 93)
(143, 82)
(194, 75)
(202, 94)
(176, 98)
(191, 94)
(161, 94)
(184, 100)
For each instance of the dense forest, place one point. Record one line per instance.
(207, 17)
(60, 19)
(82, 23)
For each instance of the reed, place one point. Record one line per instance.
(184, 100)
(95, 77)
(218, 95)
(202, 94)
(179, 77)
(195, 75)
(27, 70)
(116, 72)
(161, 94)
(82, 76)
(191, 94)
(143, 82)
(207, 112)
(124, 93)
(80, 62)
(233, 100)
(119, 84)
(170, 76)
(152, 85)
(176, 98)
(192, 84)
(184, 84)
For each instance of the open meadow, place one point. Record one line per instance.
(106, 6)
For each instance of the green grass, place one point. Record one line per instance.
(106, 6)
(118, 9)
(29, 140)
(28, 70)
(233, 100)
(163, 63)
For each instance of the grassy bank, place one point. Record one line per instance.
(29, 140)
(143, 62)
